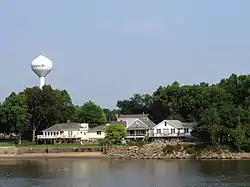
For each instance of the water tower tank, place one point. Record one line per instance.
(41, 66)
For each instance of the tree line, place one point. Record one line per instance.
(221, 110)
(26, 114)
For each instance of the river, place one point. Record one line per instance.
(122, 173)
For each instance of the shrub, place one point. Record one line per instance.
(168, 149)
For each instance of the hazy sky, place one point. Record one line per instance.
(108, 50)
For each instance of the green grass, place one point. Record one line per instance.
(6, 144)
(56, 145)
(32, 145)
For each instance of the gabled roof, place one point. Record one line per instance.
(175, 123)
(133, 116)
(142, 117)
(178, 124)
(138, 125)
(63, 126)
(148, 122)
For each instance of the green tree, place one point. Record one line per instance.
(15, 114)
(115, 132)
(138, 104)
(66, 105)
(90, 113)
(111, 114)
(239, 138)
(47, 107)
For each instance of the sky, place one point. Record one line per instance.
(106, 51)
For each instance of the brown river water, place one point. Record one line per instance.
(123, 173)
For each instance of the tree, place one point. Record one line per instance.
(90, 113)
(15, 114)
(239, 137)
(138, 104)
(111, 114)
(115, 132)
(67, 107)
(46, 107)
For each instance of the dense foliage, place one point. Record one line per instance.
(222, 110)
(25, 114)
(115, 132)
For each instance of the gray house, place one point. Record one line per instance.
(137, 125)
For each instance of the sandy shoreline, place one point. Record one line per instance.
(57, 155)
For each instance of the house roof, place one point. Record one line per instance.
(141, 123)
(188, 125)
(142, 117)
(175, 123)
(179, 124)
(102, 127)
(148, 122)
(133, 115)
(98, 128)
(138, 125)
(63, 126)
(118, 122)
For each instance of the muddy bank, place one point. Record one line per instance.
(41, 150)
(55, 155)
(175, 151)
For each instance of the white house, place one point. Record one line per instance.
(97, 133)
(71, 132)
(171, 129)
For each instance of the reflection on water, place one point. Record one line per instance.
(119, 173)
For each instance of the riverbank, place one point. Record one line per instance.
(176, 151)
(55, 155)
(147, 151)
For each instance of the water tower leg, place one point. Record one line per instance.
(42, 82)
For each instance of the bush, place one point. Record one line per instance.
(137, 143)
(104, 142)
(25, 143)
(168, 149)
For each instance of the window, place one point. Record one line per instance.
(158, 131)
(165, 123)
(98, 132)
(84, 133)
(172, 131)
(186, 130)
(131, 132)
(45, 133)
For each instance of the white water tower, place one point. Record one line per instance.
(41, 66)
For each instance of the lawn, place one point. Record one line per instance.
(29, 144)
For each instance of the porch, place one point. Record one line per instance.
(55, 139)
(137, 134)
